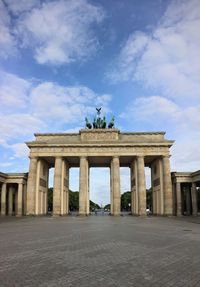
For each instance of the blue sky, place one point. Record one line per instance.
(139, 60)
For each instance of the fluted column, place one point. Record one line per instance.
(83, 186)
(160, 165)
(188, 200)
(31, 186)
(19, 199)
(167, 186)
(111, 187)
(134, 188)
(178, 199)
(3, 199)
(57, 188)
(88, 194)
(10, 200)
(37, 189)
(24, 199)
(116, 196)
(194, 199)
(67, 190)
(141, 186)
(132, 178)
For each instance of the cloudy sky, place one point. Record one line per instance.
(137, 59)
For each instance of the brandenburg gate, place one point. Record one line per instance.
(99, 147)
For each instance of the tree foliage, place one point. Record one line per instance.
(73, 201)
(126, 201)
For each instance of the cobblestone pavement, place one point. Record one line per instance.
(99, 251)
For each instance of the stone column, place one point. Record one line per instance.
(154, 202)
(19, 199)
(194, 199)
(66, 193)
(88, 194)
(31, 186)
(178, 199)
(188, 201)
(24, 199)
(134, 188)
(37, 189)
(45, 202)
(160, 165)
(132, 178)
(174, 201)
(83, 186)
(10, 200)
(3, 199)
(116, 185)
(111, 187)
(141, 185)
(57, 188)
(167, 186)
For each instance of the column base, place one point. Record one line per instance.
(83, 214)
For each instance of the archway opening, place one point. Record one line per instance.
(50, 191)
(73, 190)
(125, 189)
(99, 190)
(149, 192)
(198, 197)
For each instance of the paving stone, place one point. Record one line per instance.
(99, 251)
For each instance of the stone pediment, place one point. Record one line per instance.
(99, 135)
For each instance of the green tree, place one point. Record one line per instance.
(149, 199)
(126, 201)
(94, 206)
(73, 200)
(50, 199)
(107, 207)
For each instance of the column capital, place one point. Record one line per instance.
(58, 157)
(140, 156)
(166, 156)
(115, 159)
(4, 184)
(115, 156)
(194, 185)
(32, 157)
(83, 157)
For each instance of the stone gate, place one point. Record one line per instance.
(99, 148)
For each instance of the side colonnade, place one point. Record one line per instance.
(13, 194)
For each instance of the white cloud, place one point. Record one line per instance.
(20, 150)
(13, 91)
(7, 41)
(181, 123)
(167, 60)
(159, 111)
(14, 126)
(59, 32)
(66, 104)
(145, 108)
(27, 108)
(18, 7)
